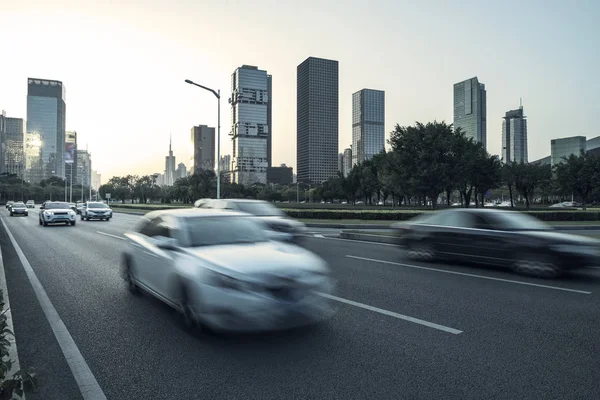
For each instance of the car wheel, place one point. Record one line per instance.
(11, 214)
(420, 250)
(129, 277)
(45, 223)
(40, 221)
(538, 265)
(186, 315)
(72, 223)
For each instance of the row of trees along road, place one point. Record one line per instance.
(426, 162)
(13, 188)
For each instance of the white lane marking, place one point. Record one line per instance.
(319, 235)
(88, 386)
(393, 314)
(360, 241)
(112, 236)
(12, 350)
(470, 275)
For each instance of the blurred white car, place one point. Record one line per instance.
(220, 270)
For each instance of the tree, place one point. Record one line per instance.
(528, 177)
(509, 173)
(579, 174)
(367, 180)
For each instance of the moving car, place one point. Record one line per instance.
(287, 229)
(506, 238)
(78, 207)
(95, 210)
(19, 208)
(30, 204)
(56, 212)
(220, 271)
(9, 204)
(566, 204)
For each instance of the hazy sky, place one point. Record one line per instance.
(124, 64)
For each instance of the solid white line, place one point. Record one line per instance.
(12, 350)
(393, 314)
(360, 241)
(88, 386)
(112, 236)
(319, 236)
(470, 275)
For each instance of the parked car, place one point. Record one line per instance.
(96, 210)
(30, 204)
(488, 236)
(56, 212)
(220, 270)
(285, 228)
(19, 208)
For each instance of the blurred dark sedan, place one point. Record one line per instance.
(498, 237)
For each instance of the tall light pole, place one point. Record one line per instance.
(52, 183)
(218, 96)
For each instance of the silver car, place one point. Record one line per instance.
(221, 271)
(96, 210)
(56, 212)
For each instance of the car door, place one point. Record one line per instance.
(161, 266)
(453, 233)
(144, 255)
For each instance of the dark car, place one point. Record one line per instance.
(19, 208)
(286, 228)
(497, 237)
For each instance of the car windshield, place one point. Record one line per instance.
(17, 205)
(215, 231)
(259, 209)
(56, 205)
(97, 205)
(514, 221)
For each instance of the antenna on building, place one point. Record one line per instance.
(520, 102)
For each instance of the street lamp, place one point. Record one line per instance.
(51, 183)
(218, 96)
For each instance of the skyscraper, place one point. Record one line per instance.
(203, 141)
(249, 125)
(71, 154)
(317, 119)
(84, 168)
(470, 109)
(368, 124)
(514, 137)
(170, 167)
(181, 171)
(46, 110)
(225, 166)
(564, 147)
(12, 156)
(270, 120)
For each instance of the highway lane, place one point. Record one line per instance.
(518, 341)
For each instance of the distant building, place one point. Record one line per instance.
(593, 143)
(12, 156)
(249, 126)
(514, 137)
(282, 175)
(33, 157)
(96, 180)
(203, 140)
(46, 111)
(225, 166)
(564, 147)
(71, 154)
(470, 109)
(543, 161)
(347, 161)
(368, 124)
(170, 167)
(270, 120)
(84, 168)
(317, 119)
(181, 171)
(341, 163)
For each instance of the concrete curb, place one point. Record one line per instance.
(365, 237)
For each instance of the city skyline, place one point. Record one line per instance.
(417, 87)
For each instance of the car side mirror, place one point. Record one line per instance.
(166, 243)
(42, 207)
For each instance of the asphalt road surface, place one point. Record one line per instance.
(404, 330)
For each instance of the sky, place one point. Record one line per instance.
(124, 63)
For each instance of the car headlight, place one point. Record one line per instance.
(71, 212)
(48, 213)
(226, 282)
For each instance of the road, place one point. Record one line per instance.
(404, 329)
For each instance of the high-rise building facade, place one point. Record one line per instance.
(96, 180)
(225, 166)
(368, 124)
(514, 137)
(564, 147)
(249, 124)
(181, 171)
(84, 168)
(203, 141)
(282, 175)
(71, 155)
(12, 156)
(317, 120)
(470, 109)
(170, 167)
(347, 161)
(341, 163)
(270, 121)
(46, 111)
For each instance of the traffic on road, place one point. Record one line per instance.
(224, 307)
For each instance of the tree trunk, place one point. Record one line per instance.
(526, 200)
(510, 193)
(448, 193)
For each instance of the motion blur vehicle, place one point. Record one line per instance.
(499, 237)
(96, 210)
(566, 204)
(9, 204)
(19, 208)
(78, 207)
(220, 271)
(203, 203)
(56, 212)
(285, 228)
(73, 207)
(30, 204)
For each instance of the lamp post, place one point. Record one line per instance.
(218, 96)
(52, 183)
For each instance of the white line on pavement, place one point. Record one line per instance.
(470, 275)
(88, 386)
(393, 314)
(319, 235)
(112, 236)
(360, 241)
(13, 355)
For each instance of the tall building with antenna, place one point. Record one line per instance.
(170, 167)
(514, 136)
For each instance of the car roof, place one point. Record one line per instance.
(246, 201)
(194, 212)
